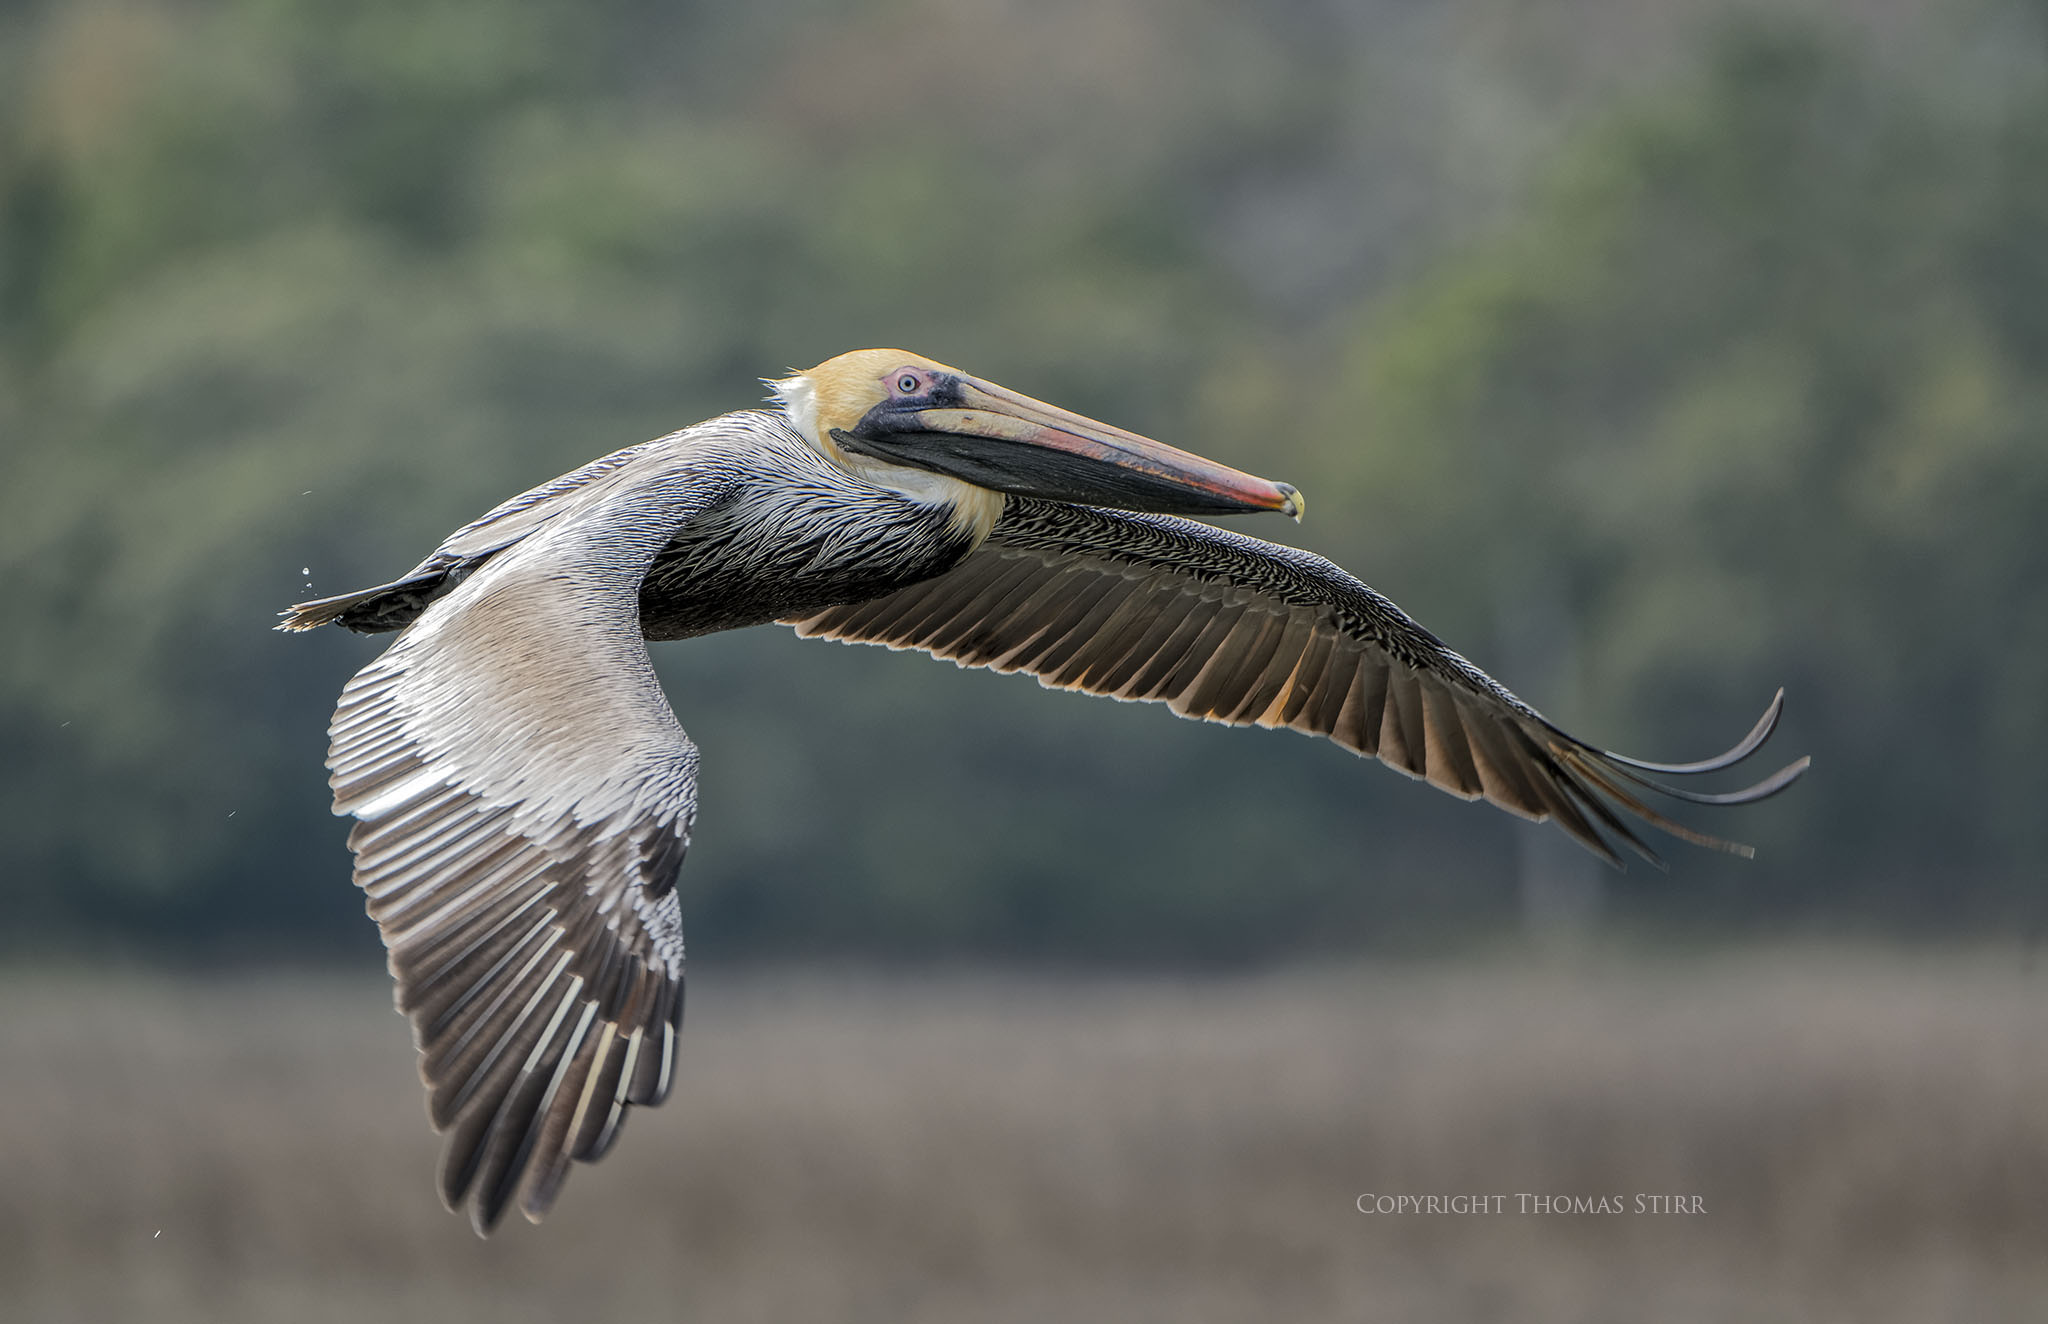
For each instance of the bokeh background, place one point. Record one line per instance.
(1653, 355)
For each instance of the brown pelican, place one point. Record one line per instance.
(524, 795)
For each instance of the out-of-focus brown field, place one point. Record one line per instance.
(1867, 1133)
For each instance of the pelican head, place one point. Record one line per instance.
(902, 410)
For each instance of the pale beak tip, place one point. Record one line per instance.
(1295, 504)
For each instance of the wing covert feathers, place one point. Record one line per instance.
(522, 815)
(1226, 628)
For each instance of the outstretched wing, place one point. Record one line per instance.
(524, 798)
(1232, 629)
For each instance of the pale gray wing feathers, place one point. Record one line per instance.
(385, 607)
(1232, 629)
(525, 797)
(512, 519)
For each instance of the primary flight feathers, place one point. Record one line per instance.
(524, 794)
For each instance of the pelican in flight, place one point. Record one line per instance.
(524, 795)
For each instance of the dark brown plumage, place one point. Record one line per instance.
(1232, 629)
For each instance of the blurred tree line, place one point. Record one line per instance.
(1732, 370)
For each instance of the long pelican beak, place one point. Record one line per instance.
(993, 437)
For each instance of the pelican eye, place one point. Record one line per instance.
(907, 384)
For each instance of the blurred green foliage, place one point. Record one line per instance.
(1756, 382)
(1742, 388)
